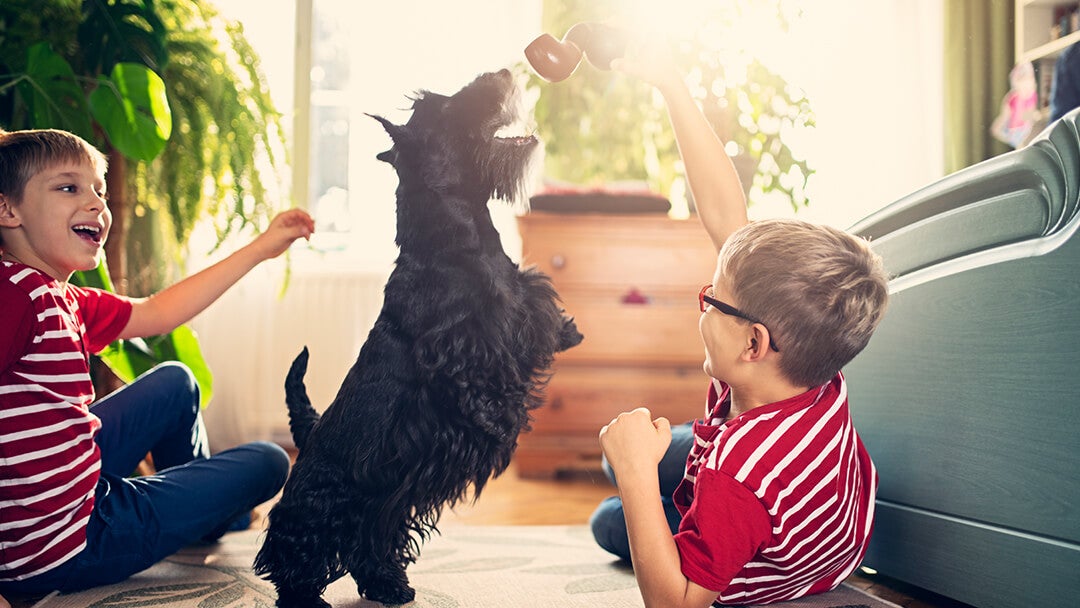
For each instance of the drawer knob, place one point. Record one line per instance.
(558, 261)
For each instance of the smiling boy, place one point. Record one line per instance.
(71, 516)
(776, 497)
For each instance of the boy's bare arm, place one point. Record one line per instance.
(633, 444)
(179, 303)
(714, 183)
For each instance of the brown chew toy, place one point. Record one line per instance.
(555, 60)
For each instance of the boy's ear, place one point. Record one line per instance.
(8, 219)
(758, 343)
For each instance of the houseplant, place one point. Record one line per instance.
(173, 94)
(602, 127)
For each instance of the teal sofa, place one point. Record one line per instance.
(968, 395)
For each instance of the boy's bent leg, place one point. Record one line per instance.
(672, 467)
(609, 528)
(138, 522)
(227, 485)
(608, 524)
(159, 413)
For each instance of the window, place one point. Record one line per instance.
(364, 58)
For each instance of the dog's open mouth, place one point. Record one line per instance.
(513, 135)
(517, 133)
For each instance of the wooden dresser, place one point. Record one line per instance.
(635, 353)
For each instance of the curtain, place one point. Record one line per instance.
(979, 53)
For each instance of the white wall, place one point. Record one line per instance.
(872, 72)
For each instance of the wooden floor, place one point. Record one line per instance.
(511, 500)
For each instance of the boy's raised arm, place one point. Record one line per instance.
(714, 183)
(179, 303)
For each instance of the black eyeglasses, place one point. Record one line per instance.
(705, 299)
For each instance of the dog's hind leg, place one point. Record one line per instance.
(300, 568)
(383, 580)
(299, 554)
(309, 598)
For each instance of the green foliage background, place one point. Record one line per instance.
(174, 95)
(601, 127)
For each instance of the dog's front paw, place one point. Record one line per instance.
(391, 593)
(569, 337)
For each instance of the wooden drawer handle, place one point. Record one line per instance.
(558, 261)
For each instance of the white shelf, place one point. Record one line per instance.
(1050, 49)
(1034, 19)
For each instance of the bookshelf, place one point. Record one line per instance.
(1034, 22)
(1045, 28)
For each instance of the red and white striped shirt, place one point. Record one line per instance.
(777, 503)
(49, 462)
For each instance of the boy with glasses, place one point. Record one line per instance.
(770, 496)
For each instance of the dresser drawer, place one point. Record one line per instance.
(615, 254)
(662, 331)
(581, 400)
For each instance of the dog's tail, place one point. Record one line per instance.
(302, 416)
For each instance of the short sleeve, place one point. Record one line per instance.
(16, 324)
(723, 529)
(104, 314)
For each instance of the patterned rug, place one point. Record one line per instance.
(466, 567)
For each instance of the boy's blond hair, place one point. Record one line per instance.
(819, 290)
(24, 154)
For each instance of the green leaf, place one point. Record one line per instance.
(52, 93)
(185, 343)
(129, 359)
(133, 109)
(98, 277)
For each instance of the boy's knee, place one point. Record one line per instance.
(608, 525)
(176, 380)
(274, 464)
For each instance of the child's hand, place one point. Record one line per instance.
(285, 228)
(651, 61)
(633, 441)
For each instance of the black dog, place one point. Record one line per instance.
(449, 372)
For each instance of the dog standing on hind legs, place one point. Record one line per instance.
(446, 379)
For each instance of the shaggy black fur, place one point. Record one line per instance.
(444, 384)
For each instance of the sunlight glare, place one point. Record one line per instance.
(760, 32)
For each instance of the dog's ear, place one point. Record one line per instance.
(387, 157)
(395, 131)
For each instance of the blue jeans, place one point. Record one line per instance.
(608, 522)
(194, 496)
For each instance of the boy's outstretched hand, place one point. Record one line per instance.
(285, 228)
(634, 442)
(651, 61)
